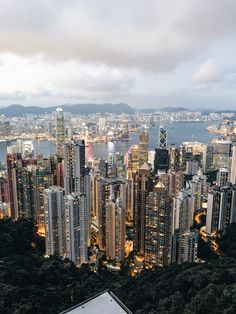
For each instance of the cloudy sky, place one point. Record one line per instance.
(147, 53)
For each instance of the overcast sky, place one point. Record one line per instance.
(147, 53)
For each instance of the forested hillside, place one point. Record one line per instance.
(30, 283)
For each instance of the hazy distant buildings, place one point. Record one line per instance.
(60, 132)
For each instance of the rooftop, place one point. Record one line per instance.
(103, 303)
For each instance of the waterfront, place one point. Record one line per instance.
(177, 133)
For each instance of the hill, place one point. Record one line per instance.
(84, 109)
(31, 283)
(174, 109)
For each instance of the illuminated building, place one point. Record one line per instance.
(3, 190)
(183, 210)
(115, 230)
(104, 190)
(151, 158)
(143, 148)
(172, 156)
(22, 191)
(198, 187)
(60, 132)
(222, 153)
(76, 228)
(54, 207)
(12, 157)
(158, 216)
(134, 158)
(144, 181)
(207, 159)
(41, 180)
(184, 247)
(221, 208)
(222, 176)
(175, 182)
(74, 167)
(192, 166)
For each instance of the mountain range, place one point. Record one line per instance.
(17, 110)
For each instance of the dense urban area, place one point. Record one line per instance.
(156, 226)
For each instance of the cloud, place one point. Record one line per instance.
(208, 72)
(134, 51)
(129, 34)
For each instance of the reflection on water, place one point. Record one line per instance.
(177, 133)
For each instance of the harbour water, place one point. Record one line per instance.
(177, 133)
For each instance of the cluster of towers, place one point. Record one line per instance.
(148, 198)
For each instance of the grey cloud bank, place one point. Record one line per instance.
(131, 51)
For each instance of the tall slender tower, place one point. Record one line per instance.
(158, 226)
(143, 148)
(77, 228)
(54, 207)
(162, 138)
(233, 166)
(115, 231)
(221, 208)
(144, 180)
(60, 132)
(74, 167)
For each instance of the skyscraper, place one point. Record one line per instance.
(144, 181)
(223, 176)
(172, 156)
(158, 219)
(76, 228)
(115, 231)
(143, 147)
(22, 191)
(184, 247)
(233, 166)
(74, 167)
(60, 132)
(134, 158)
(221, 208)
(54, 207)
(12, 157)
(106, 191)
(162, 138)
(41, 180)
(207, 158)
(161, 161)
(183, 210)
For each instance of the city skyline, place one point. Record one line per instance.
(163, 54)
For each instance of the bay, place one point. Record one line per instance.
(177, 133)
